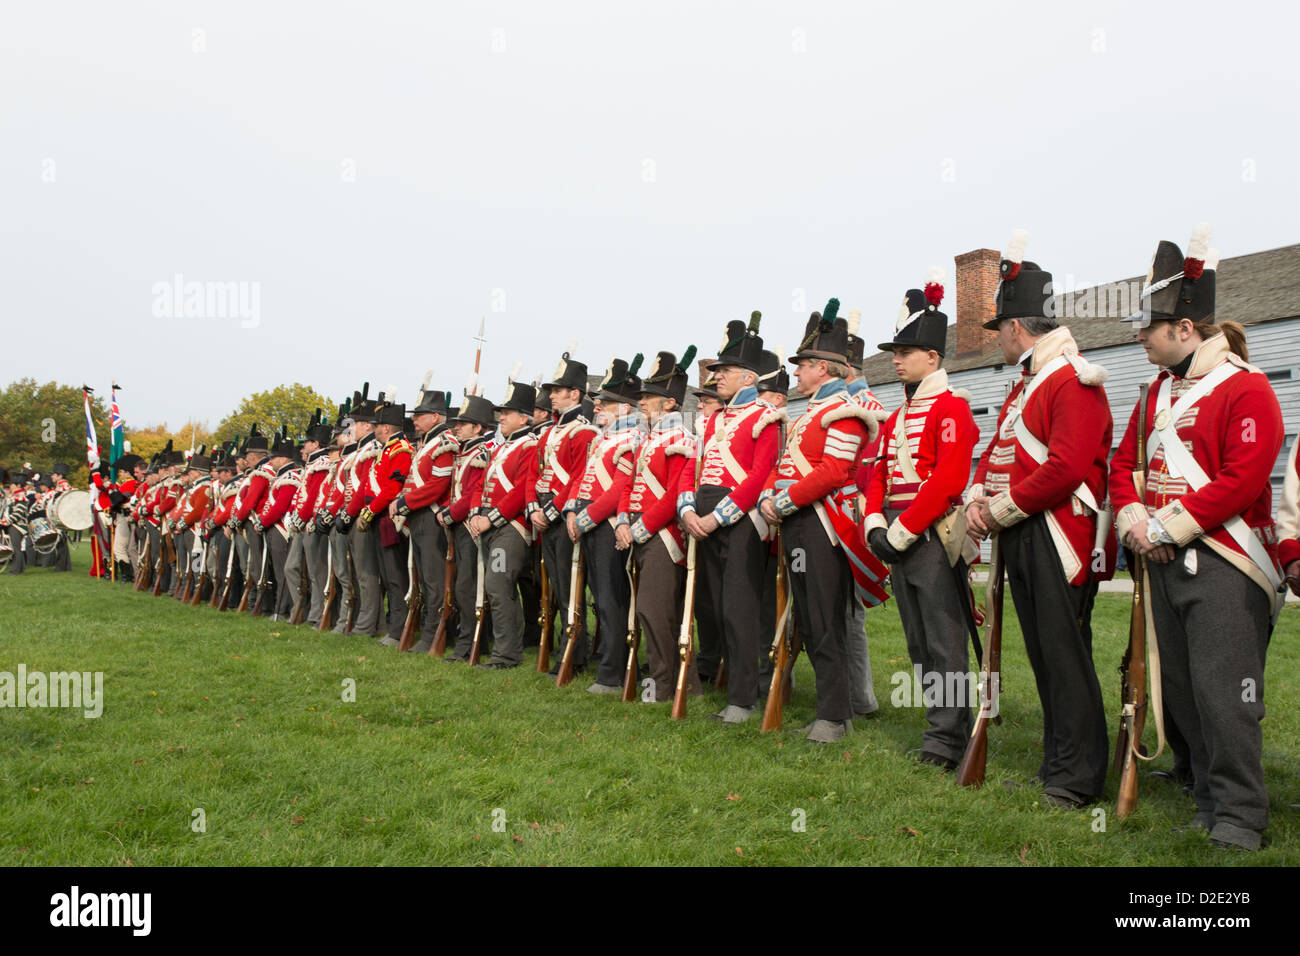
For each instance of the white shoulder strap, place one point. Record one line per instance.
(1030, 442)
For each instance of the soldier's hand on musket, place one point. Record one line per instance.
(975, 525)
(1292, 572)
(1139, 540)
(479, 525)
(540, 521)
(623, 538)
(768, 510)
(694, 527)
(571, 523)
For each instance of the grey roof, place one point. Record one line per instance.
(1251, 289)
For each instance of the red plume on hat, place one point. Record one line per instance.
(934, 286)
(1197, 252)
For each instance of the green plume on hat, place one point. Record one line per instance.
(830, 313)
(687, 358)
(636, 364)
(755, 318)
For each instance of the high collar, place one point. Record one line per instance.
(626, 423)
(318, 454)
(1024, 361)
(514, 436)
(287, 467)
(1049, 347)
(434, 432)
(474, 442)
(264, 461)
(928, 387)
(669, 421)
(856, 386)
(743, 397)
(368, 440)
(1208, 356)
(569, 414)
(829, 389)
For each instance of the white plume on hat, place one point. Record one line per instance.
(854, 321)
(1016, 247)
(514, 372)
(1211, 263)
(1199, 246)
(471, 386)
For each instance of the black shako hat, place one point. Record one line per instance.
(857, 348)
(920, 323)
(200, 460)
(128, 462)
(429, 402)
(520, 398)
(284, 446)
(741, 345)
(388, 411)
(319, 430)
(363, 406)
(568, 374)
(256, 441)
(477, 410)
(1178, 286)
(773, 376)
(825, 336)
(669, 377)
(1025, 291)
(621, 383)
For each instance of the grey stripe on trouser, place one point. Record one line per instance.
(396, 578)
(338, 544)
(292, 576)
(1213, 630)
(364, 546)
(505, 552)
(315, 553)
(661, 591)
(254, 566)
(429, 542)
(611, 592)
(929, 606)
(277, 552)
(1055, 619)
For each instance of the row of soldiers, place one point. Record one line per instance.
(491, 515)
(26, 495)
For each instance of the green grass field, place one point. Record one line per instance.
(244, 720)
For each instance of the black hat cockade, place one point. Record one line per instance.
(669, 377)
(773, 376)
(429, 402)
(1180, 287)
(387, 411)
(1025, 290)
(741, 345)
(920, 323)
(825, 336)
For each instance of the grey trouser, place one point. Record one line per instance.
(821, 584)
(429, 550)
(293, 572)
(315, 548)
(338, 545)
(364, 546)
(735, 558)
(1055, 618)
(466, 592)
(661, 587)
(396, 577)
(862, 695)
(1213, 626)
(505, 554)
(18, 562)
(253, 569)
(934, 624)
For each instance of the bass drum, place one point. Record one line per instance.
(70, 511)
(44, 537)
(6, 550)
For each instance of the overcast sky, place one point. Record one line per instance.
(375, 176)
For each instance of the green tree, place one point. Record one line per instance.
(44, 424)
(290, 405)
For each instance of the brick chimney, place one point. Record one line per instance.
(977, 288)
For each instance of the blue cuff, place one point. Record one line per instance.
(685, 502)
(727, 512)
(552, 513)
(530, 508)
(622, 518)
(584, 521)
(783, 505)
(639, 533)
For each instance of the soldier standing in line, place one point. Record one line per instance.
(472, 428)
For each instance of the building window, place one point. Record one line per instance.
(1278, 375)
(977, 412)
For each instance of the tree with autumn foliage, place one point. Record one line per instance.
(291, 405)
(46, 423)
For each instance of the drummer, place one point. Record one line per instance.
(59, 484)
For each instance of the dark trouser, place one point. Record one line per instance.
(293, 578)
(708, 624)
(735, 558)
(19, 560)
(557, 552)
(767, 625)
(1213, 626)
(184, 541)
(466, 593)
(862, 695)
(429, 550)
(315, 554)
(397, 579)
(62, 560)
(611, 592)
(256, 552)
(505, 552)
(530, 596)
(277, 552)
(364, 547)
(930, 607)
(821, 584)
(661, 586)
(347, 585)
(1055, 618)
